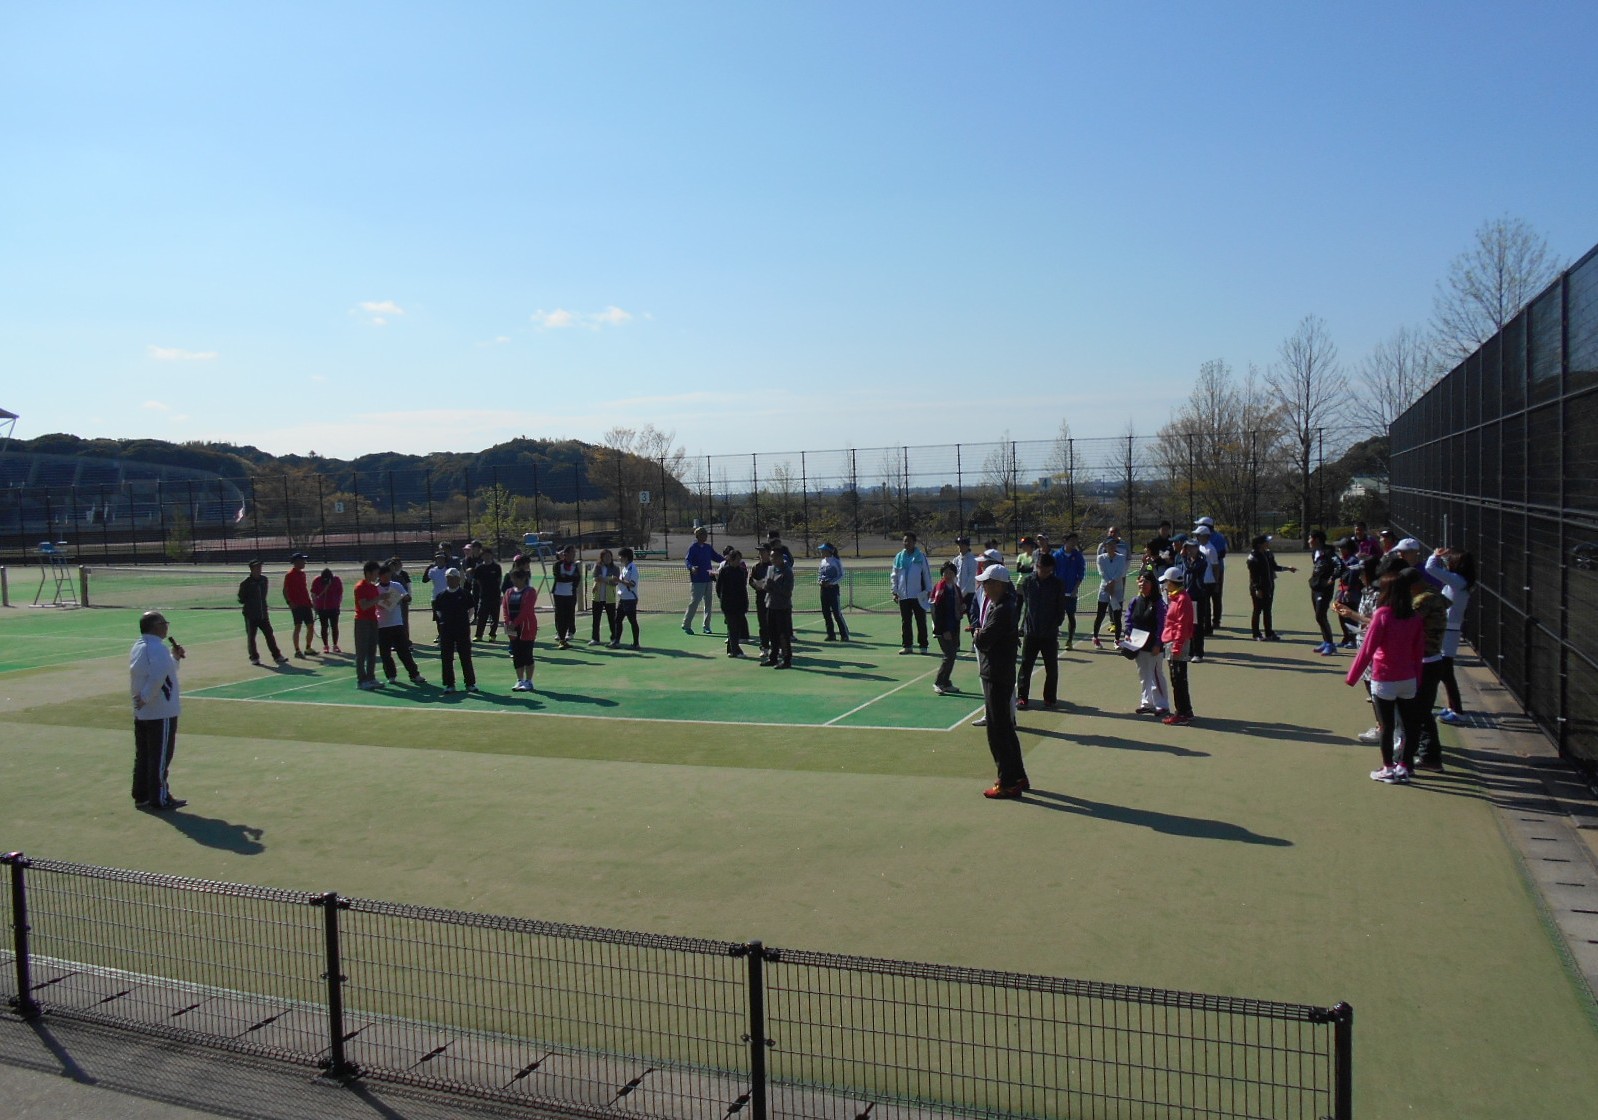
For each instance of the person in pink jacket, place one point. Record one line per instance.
(520, 607)
(1393, 648)
(1177, 634)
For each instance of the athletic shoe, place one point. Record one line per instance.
(337, 650)
(829, 638)
(1096, 643)
(168, 805)
(1003, 793)
(614, 645)
(1070, 644)
(366, 686)
(942, 689)
(255, 661)
(472, 688)
(449, 690)
(1349, 643)
(593, 641)
(1174, 720)
(688, 630)
(1257, 638)
(1021, 704)
(1401, 775)
(1197, 659)
(1145, 710)
(1388, 774)
(281, 660)
(1433, 765)
(1371, 737)
(418, 679)
(707, 628)
(923, 651)
(980, 721)
(904, 652)
(1161, 713)
(635, 645)
(1273, 637)
(1448, 715)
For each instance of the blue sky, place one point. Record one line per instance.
(359, 227)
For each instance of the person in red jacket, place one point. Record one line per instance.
(367, 594)
(520, 607)
(1177, 634)
(327, 598)
(1394, 648)
(298, 596)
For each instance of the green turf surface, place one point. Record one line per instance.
(1248, 854)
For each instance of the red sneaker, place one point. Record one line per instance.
(1177, 721)
(1005, 793)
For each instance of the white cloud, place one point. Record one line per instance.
(174, 354)
(156, 406)
(560, 318)
(377, 312)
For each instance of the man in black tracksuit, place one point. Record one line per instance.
(1043, 605)
(452, 610)
(253, 598)
(998, 639)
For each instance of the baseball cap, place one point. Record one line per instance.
(1209, 521)
(828, 546)
(456, 572)
(994, 571)
(1410, 544)
(1202, 530)
(1173, 575)
(993, 556)
(300, 556)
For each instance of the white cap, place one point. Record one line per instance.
(1210, 521)
(994, 571)
(1202, 530)
(1410, 544)
(993, 556)
(1174, 574)
(456, 572)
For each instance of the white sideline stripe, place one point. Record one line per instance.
(957, 724)
(463, 708)
(874, 699)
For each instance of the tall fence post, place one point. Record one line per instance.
(1343, 1039)
(755, 953)
(337, 1065)
(23, 1001)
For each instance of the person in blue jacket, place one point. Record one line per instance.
(1070, 568)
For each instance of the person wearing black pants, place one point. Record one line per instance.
(153, 681)
(488, 582)
(732, 592)
(1322, 587)
(1193, 566)
(252, 598)
(948, 615)
(999, 640)
(1043, 604)
(779, 609)
(1433, 610)
(452, 611)
(912, 584)
(567, 578)
(1262, 569)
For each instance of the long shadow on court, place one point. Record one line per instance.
(1114, 743)
(1172, 824)
(213, 832)
(1282, 732)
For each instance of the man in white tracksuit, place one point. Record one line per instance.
(153, 682)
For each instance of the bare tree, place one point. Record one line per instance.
(1306, 384)
(1209, 453)
(1391, 378)
(1488, 284)
(636, 459)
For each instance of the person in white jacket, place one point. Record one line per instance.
(153, 683)
(1455, 570)
(912, 585)
(1113, 560)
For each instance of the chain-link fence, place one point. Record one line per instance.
(859, 499)
(1501, 458)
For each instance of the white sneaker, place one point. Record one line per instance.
(1401, 774)
(1387, 774)
(519, 686)
(1371, 737)
(980, 721)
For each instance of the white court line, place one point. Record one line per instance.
(200, 692)
(884, 696)
(465, 707)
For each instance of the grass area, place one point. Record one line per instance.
(1247, 855)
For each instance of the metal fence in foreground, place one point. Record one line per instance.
(606, 1023)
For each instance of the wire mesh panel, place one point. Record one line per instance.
(849, 1033)
(635, 1023)
(223, 962)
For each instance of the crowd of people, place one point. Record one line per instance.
(1399, 608)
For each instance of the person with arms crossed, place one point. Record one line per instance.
(912, 585)
(327, 600)
(257, 618)
(701, 565)
(153, 681)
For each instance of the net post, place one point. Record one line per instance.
(83, 584)
(5, 588)
(24, 1003)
